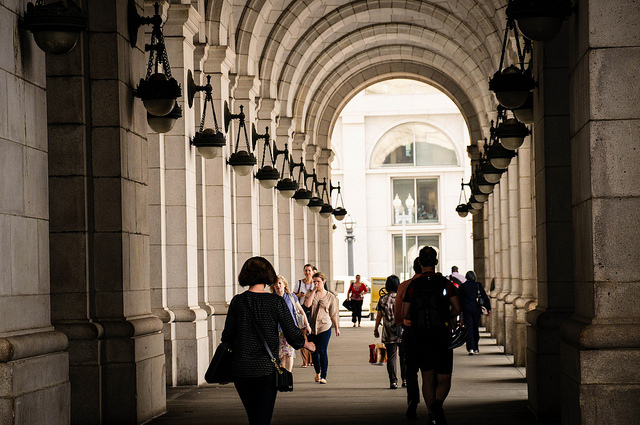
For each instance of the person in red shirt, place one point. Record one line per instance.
(356, 295)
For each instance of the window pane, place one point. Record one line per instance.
(433, 147)
(427, 200)
(394, 148)
(403, 188)
(397, 256)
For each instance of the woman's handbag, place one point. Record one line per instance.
(299, 315)
(479, 299)
(284, 378)
(219, 371)
(347, 304)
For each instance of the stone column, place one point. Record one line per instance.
(103, 246)
(526, 300)
(300, 214)
(505, 269)
(489, 282)
(325, 225)
(497, 319)
(267, 113)
(246, 210)
(221, 276)
(514, 257)
(285, 209)
(186, 331)
(600, 344)
(551, 150)
(34, 364)
(311, 158)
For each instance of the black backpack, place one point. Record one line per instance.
(429, 303)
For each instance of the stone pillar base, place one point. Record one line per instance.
(600, 377)
(34, 379)
(543, 362)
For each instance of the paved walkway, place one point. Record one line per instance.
(487, 389)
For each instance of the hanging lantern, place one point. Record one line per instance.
(242, 161)
(55, 26)
(511, 133)
(164, 124)
(208, 141)
(512, 84)
(539, 20)
(158, 90)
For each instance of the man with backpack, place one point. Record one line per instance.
(429, 304)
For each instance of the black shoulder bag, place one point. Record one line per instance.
(284, 378)
(479, 299)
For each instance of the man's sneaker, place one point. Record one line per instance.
(476, 351)
(412, 411)
(404, 384)
(471, 352)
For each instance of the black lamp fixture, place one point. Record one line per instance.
(209, 141)
(158, 90)
(339, 212)
(462, 209)
(539, 20)
(303, 195)
(55, 26)
(327, 210)
(242, 161)
(267, 175)
(524, 113)
(165, 123)
(511, 132)
(512, 85)
(483, 185)
(287, 186)
(315, 203)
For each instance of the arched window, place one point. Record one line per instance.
(414, 144)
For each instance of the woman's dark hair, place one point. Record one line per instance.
(470, 275)
(392, 283)
(417, 268)
(257, 270)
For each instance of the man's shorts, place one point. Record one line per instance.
(432, 352)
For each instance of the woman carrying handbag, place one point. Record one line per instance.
(253, 371)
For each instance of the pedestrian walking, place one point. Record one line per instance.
(324, 313)
(473, 298)
(252, 369)
(391, 332)
(355, 294)
(430, 301)
(302, 286)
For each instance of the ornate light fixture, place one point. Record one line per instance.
(524, 113)
(303, 195)
(55, 26)
(512, 85)
(165, 123)
(209, 141)
(287, 186)
(539, 20)
(315, 203)
(242, 161)
(462, 209)
(158, 90)
(267, 175)
(339, 212)
(327, 209)
(511, 133)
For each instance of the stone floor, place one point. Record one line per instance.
(487, 389)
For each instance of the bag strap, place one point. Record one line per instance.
(259, 331)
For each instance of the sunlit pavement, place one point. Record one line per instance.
(487, 389)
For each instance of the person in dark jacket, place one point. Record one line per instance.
(252, 369)
(470, 292)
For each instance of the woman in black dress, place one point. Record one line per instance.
(252, 369)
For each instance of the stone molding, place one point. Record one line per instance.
(31, 345)
(600, 336)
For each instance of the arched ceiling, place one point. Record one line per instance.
(313, 55)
